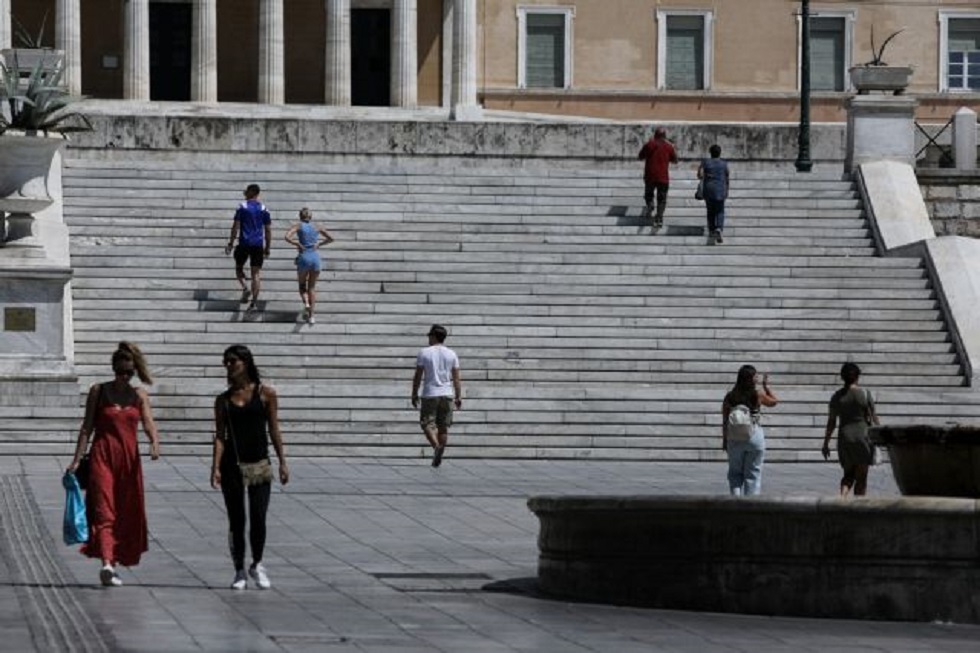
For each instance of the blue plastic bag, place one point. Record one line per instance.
(75, 527)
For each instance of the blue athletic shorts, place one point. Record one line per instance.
(308, 261)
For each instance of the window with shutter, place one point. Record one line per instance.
(545, 51)
(827, 54)
(684, 69)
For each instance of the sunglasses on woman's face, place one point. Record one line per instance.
(128, 372)
(230, 360)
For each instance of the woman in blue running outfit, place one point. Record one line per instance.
(307, 238)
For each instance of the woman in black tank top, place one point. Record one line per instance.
(241, 416)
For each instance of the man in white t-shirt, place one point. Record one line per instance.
(437, 371)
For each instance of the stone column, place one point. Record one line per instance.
(338, 77)
(68, 38)
(136, 50)
(6, 39)
(272, 72)
(965, 138)
(204, 52)
(464, 61)
(404, 57)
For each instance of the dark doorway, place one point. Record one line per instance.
(370, 57)
(170, 51)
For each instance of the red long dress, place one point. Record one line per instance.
(114, 499)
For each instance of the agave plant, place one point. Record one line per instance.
(27, 38)
(878, 53)
(39, 102)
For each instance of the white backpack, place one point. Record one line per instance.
(740, 423)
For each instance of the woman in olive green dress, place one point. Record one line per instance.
(854, 408)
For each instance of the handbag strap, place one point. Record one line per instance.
(229, 428)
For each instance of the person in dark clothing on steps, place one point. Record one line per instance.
(240, 462)
(714, 177)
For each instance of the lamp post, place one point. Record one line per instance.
(803, 162)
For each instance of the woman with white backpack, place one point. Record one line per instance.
(742, 436)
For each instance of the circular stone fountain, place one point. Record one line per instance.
(909, 558)
(938, 461)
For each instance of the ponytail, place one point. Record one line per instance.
(130, 351)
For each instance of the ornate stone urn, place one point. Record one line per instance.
(890, 79)
(939, 461)
(25, 166)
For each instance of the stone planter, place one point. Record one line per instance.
(933, 460)
(893, 79)
(25, 166)
(28, 59)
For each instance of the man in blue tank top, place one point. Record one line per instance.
(252, 227)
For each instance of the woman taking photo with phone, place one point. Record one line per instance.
(742, 436)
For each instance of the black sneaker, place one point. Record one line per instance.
(437, 456)
(718, 238)
(246, 295)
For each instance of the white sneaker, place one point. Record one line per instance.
(257, 572)
(109, 577)
(240, 580)
(306, 311)
(311, 321)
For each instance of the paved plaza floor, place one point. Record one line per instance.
(382, 556)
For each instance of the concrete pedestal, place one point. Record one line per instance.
(35, 270)
(880, 127)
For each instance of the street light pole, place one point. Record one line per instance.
(803, 162)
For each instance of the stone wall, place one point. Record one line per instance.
(744, 142)
(953, 200)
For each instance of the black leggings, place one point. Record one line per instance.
(258, 505)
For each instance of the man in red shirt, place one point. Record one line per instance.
(658, 153)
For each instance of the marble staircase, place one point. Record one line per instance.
(581, 332)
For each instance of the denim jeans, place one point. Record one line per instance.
(745, 464)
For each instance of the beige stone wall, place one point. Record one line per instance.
(614, 55)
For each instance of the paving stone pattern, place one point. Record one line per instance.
(388, 555)
(38, 587)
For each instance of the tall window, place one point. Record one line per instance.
(684, 50)
(544, 46)
(960, 38)
(827, 54)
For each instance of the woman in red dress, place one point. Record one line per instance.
(114, 498)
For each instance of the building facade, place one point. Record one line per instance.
(726, 60)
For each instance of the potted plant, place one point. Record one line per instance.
(29, 49)
(35, 115)
(876, 75)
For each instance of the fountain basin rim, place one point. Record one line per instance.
(925, 434)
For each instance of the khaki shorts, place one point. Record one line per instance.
(436, 411)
